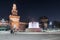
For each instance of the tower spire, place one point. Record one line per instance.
(14, 9)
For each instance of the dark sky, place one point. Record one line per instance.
(31, 9)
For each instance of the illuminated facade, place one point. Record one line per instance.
(33, 25)
(14, 18)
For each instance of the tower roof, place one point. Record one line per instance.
(43, 17)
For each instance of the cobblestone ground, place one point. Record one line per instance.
(29, 37)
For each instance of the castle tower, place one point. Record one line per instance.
(44, 22)
(14, 18)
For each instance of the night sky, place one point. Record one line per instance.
(28, 9)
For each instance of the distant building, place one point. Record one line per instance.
(3, 22)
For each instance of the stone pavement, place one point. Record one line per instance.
(5, 35)
(29, 37)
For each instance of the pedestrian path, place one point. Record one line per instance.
(8, 32)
